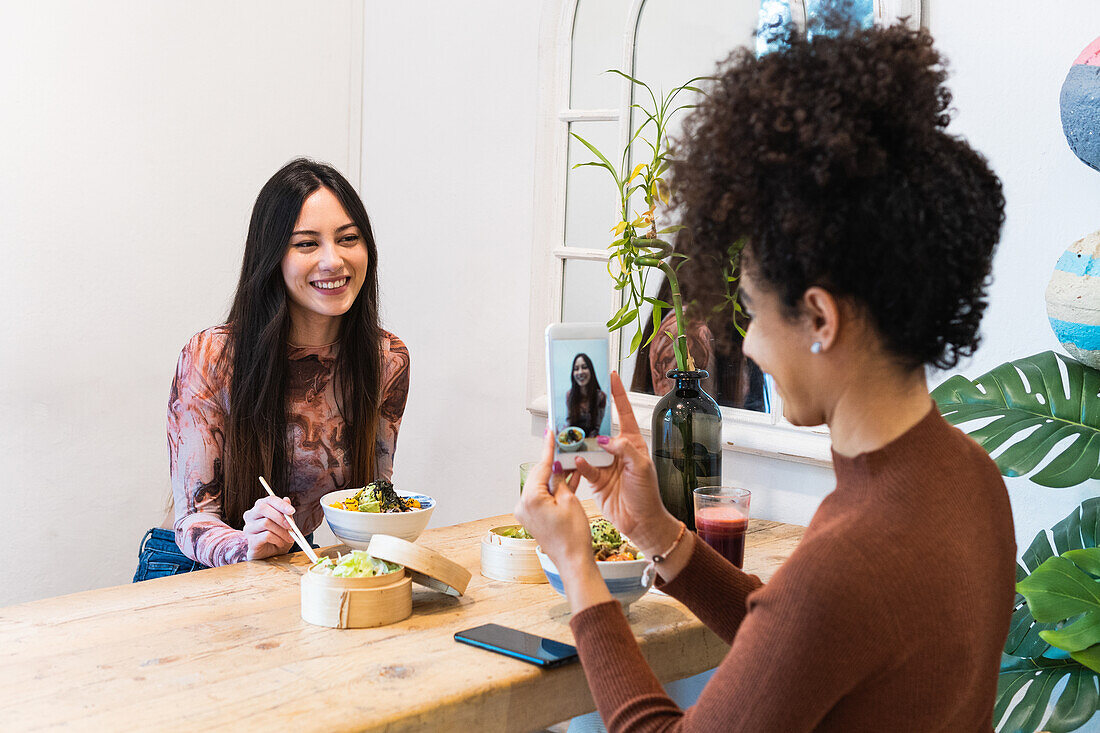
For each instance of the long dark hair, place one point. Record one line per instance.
(579, 396)
(738, 382)
(256, 441)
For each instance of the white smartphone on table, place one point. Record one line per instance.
(578, 381)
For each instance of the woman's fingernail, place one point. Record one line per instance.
(556, 468)
(603, 439)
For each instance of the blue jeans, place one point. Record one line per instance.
(159, 556)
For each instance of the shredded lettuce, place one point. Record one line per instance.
(370, 503)
(355, 564)
(515, 532)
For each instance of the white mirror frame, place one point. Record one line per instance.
(744, 431)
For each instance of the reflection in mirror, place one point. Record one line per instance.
(715, 345)
(591, 204)
(679, 39)
(774, 16)
(597, 46)
(676, 41)
(585, 294)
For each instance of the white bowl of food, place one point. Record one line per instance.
(622, 576)
(570, 439)
(378, 509)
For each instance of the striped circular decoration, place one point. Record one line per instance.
(1080, 102)
(1073, 300)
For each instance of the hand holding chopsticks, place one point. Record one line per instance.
(294, 531)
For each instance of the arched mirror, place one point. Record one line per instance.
(664, 43)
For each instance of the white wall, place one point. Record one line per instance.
(1008, 61)
(448, 180)
(134, 138)
(141, 133)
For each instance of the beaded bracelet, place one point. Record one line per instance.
(650, 571)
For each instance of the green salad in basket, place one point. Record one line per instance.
(355, 564)
(514, 531)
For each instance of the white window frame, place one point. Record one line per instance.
(743, 431)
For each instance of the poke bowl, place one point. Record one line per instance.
(625, 579)
(356, 527)
(570, 439)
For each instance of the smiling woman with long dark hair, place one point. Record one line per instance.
(585, 402)
(300, 385)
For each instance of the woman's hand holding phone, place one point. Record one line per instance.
(626, 491)
(627, 494)
(267, 529)
(549, 509)
(557, 520)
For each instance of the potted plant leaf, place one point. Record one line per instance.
(687, 423)
(1054, 636)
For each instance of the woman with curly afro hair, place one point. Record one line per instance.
(867, 234)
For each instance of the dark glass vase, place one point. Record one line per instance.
(687, 443)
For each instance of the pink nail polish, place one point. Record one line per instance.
(556, 468)
(603, 440)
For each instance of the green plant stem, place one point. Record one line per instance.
(684, 362)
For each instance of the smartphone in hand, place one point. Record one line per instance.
(578, 386)
(529, 648)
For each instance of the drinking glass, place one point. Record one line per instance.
(524, 469)
(722, 518)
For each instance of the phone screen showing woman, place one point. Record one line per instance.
(580, 387)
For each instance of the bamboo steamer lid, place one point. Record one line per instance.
(356, 603)
(510, 559)
(426, 567)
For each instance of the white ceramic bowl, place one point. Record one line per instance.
(570, 447)
(623, 577)
(355, 529)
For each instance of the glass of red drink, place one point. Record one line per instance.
(722, 518)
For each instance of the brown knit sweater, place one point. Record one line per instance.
(890, 615)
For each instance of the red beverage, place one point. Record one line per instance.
(723, 528)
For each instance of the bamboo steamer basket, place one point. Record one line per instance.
(356, 603)
(426, 567)
(510, 559)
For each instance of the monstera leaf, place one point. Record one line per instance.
(1078, 531)
(1061, 591)
(1038, 400)
(1074, 707)
(1028, 656)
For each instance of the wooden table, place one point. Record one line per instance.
(227, 647)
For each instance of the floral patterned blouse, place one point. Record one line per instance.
(198, 409)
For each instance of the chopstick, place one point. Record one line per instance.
(294, 531)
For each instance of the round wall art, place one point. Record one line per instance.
(1073, 300)
(1080, 101)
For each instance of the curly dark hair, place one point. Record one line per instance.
(829, 159)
